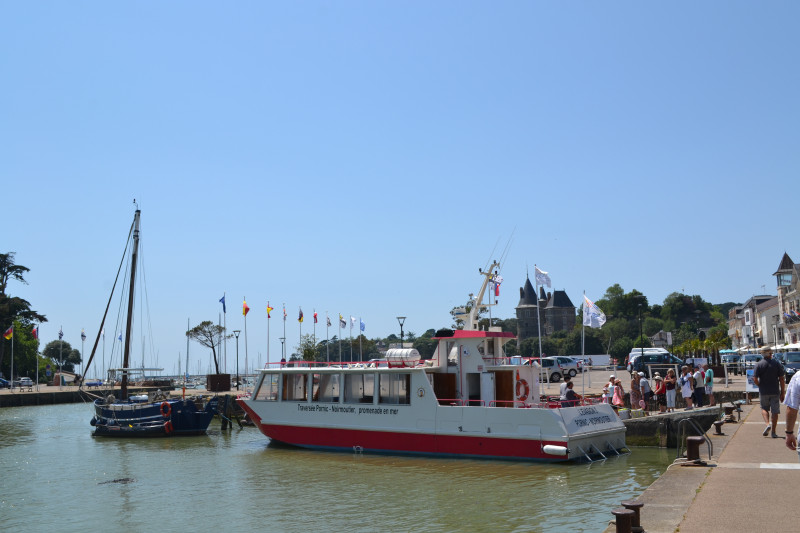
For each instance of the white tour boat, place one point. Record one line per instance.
(467, 400)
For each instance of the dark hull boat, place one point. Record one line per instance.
(144, 418)
(153, 414)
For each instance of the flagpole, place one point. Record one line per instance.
(327, 342)
(539, 329)
(283, 355)
(245, 346)
(314, 332)
(224, 331)
(360, 354)
(340, 337)
(583, 346)
(268, 333)
(300, 321)
(351, 338)
(12, 356)
(37, 359)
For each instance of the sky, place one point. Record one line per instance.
(367, 158)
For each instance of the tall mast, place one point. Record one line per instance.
(129, 323)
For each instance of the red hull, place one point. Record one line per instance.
(406, 443)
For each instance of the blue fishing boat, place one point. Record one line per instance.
(147, 415)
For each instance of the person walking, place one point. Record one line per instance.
(661, 397)
(646, 390)
(770, 378)
(687, 387)
(618, 395)
(709, 382)
(699, 386)
(670, 384)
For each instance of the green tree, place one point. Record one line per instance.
(13, 308)
(652, 325)
(620, 349)
(210, 335)
(63, 355)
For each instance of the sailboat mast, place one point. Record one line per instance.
(129, 323)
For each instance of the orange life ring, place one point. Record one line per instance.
(166, 409)
(167, 427)
(523, 390)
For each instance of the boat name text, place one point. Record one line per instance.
(351, 410)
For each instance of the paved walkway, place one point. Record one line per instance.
(748, 485)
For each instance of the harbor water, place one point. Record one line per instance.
(56, 476)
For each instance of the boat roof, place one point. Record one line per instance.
(467, 333)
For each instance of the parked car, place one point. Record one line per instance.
(749, 361)
(791, 363)
(660, 362)
(4, 384)
(553, 370)
(569, 366)
(23, 382)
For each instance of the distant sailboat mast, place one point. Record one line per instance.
(129, 323)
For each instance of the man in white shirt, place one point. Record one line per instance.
(792, 403)
(699, 387)
(563, 389)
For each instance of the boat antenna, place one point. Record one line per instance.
(504, 255)
(489, 261)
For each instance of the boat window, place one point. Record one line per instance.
(394, 389)
(326, 388)
(359, 388)
(268, 391)
(294, 387)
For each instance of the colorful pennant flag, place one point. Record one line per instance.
(284, 312)
(300, 317)
(245, 309)
(342, 323)
(328, 319)
(592, 315)
(9, 333)
(222, 301)
(35, 333)
(269, 310)
(315, 317)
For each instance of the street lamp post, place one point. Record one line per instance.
(236, 334)
(283, 350)
(401, 320)
(641, 342)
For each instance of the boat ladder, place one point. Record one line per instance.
(682, 436)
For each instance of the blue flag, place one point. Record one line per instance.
(60, 334)
(362, 324)
(120, 337)
(222, 301)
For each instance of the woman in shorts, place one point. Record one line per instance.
(670, 383)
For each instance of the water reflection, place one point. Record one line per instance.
(237, 479)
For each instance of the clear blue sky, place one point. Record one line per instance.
(366, 158)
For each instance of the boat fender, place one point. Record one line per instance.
(93, 422)
(166, 409)
(168, 427)
(554, 450)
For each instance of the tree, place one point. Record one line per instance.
(210, 335)
(63, 355)
(13, 308)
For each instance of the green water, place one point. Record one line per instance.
(55, 476)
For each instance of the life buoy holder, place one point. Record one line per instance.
(166, 409)
(168, 427)
(523, 390)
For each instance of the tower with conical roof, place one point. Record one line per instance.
(527, 324)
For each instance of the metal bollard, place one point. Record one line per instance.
(718, 427)
(623, 518)
(693, 448)
(635, 506)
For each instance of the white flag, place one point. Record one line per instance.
(542, 278)
(352, 321)
(592, 315)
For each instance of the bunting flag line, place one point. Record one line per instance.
(592, 315)
(542, 278)
(300, 316)
(222, 301)
(9, 333)
(245, 309)
(269, 310)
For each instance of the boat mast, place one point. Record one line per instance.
(129, 323)
(472, 318)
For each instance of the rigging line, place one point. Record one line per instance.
(97, 339)
(507, 249)
(489, 262)
(146, 304)
(117, 327)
